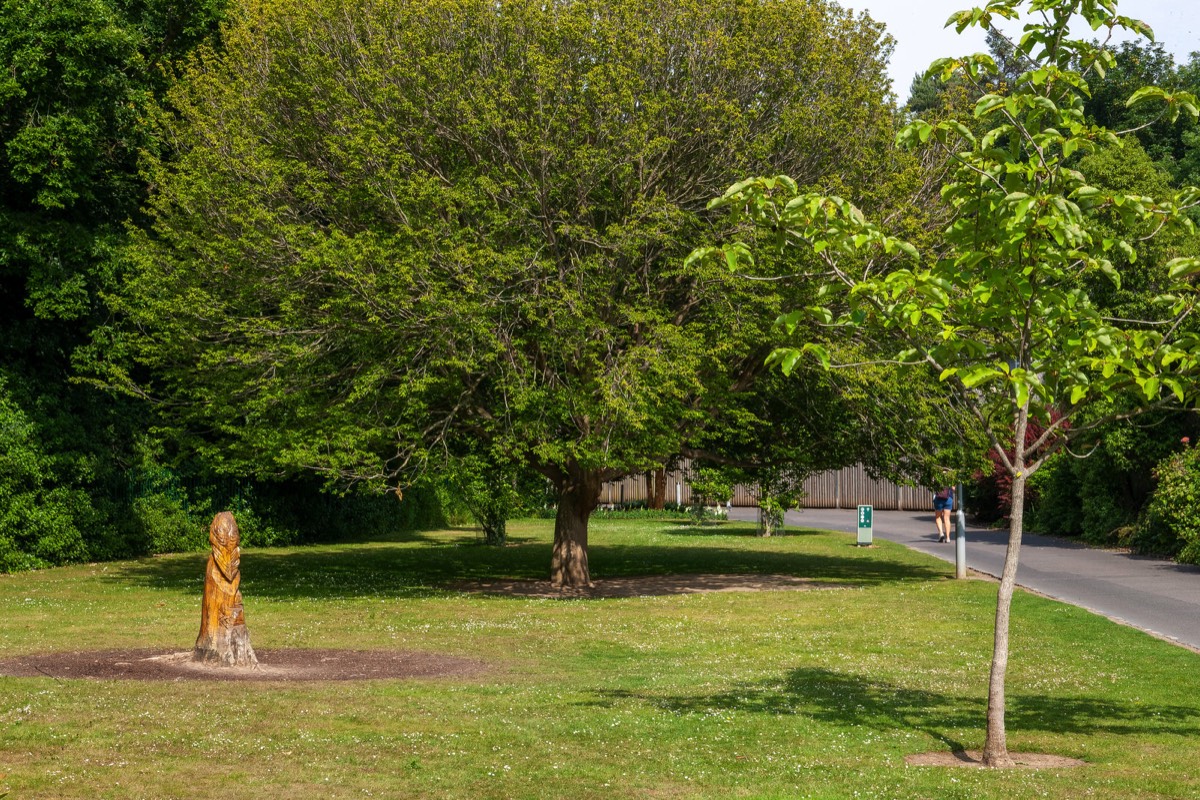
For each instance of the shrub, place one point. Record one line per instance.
(709, 485)
(1100, 498)
(173, 509)
(1056, 508)
(1171, 522)
(165, 525)
(491, 490)
(638, 510)
(59, 506)
(42, 513)
(779, 492)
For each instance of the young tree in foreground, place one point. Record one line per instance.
(1004, 318)
(396, 225)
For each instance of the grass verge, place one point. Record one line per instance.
(817, 694)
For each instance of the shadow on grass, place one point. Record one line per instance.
(467, 535)
(732, 528)
(844, 699)
(419, 566)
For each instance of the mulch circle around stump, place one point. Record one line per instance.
(974, 758)
(646, 586)
(274, 665)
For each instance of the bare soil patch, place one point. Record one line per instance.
(974, 758)
(274, 665)
(647, 586)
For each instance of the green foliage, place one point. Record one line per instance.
(407, 228)
(639, 511)
(1172, 144)
(517, 245)
(493, 490)
(710, 486)
(50, 515)
(1135, 65)
(78, 97)
(77, 88)
(43, 512)
(172, 513)
(1055, 506)
(925, 94)
(167, 524)
(1101, 497)
(933, 94)
(1003, 315)
(1171, 522)
(1128, 169)
(779, 491)
(1005, 321)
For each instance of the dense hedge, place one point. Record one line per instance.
(156, 510)
(1131, 491)
(1099, 498)
(172, 514)
(45, 506)
(1171, 521)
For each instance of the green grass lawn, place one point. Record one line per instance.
(767, 695)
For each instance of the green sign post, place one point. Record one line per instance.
(865, 532)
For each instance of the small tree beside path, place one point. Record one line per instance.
(1004, 317)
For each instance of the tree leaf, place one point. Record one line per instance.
(1183, 266)
(1143, 94)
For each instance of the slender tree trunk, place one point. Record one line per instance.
(995, 748)
(578, 494)
(658, 497)
(771, 520)
(495, 527)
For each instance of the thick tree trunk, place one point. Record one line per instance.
(658, 494)
(995, 748)
(578, 495)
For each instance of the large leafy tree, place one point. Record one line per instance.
(395, 224)
(1102, 496)
(77, 81)
(1137, 64)
(1004, 317)
(1173, 144)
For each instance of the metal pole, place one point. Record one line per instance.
(960, 538)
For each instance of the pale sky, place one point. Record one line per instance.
(916, 25)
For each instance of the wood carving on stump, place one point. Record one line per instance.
(223, 638)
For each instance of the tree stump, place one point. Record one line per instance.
(224, 639)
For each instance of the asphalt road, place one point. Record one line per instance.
(1160, 597)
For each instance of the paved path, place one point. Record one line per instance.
(1155, 595)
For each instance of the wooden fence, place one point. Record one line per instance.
(844, 488)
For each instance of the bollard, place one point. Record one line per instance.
(960, 539)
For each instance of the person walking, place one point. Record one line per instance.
(943, 504)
